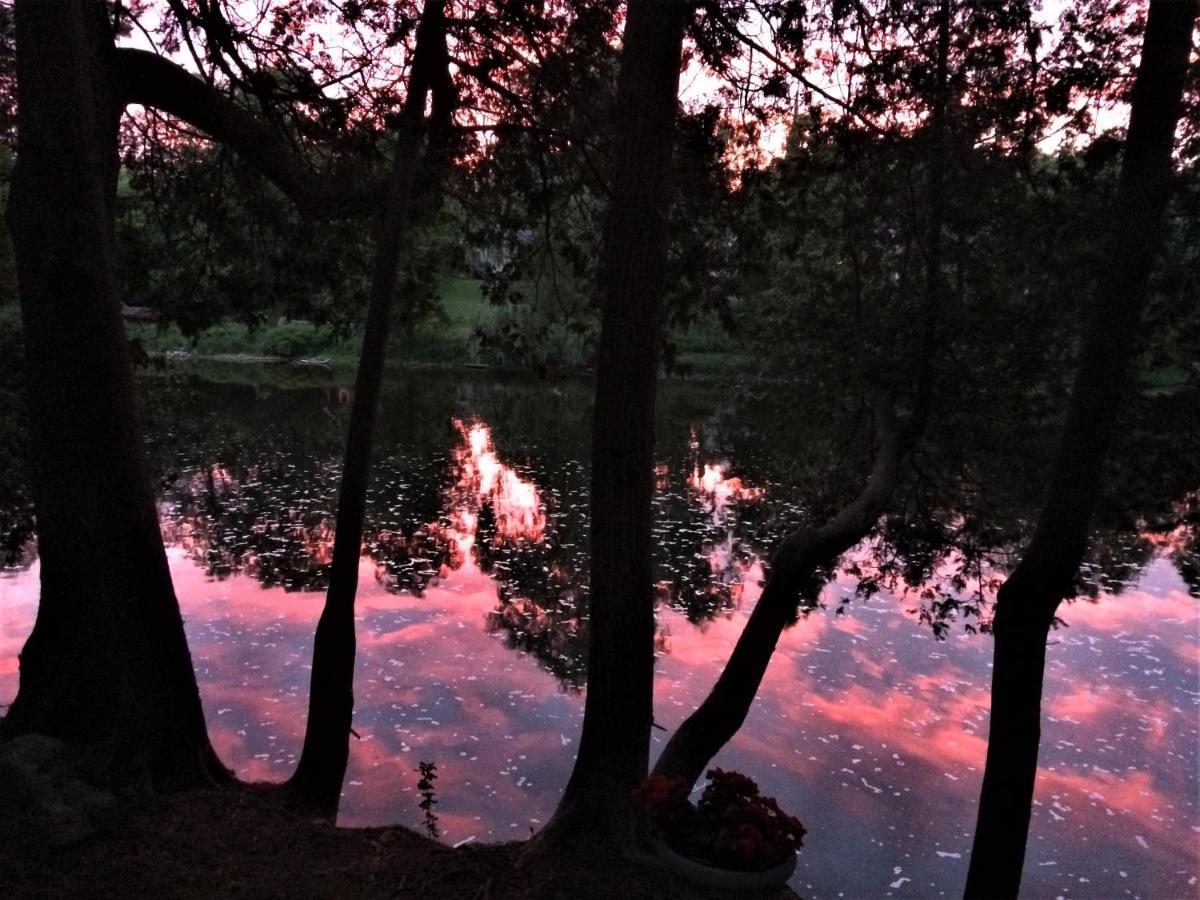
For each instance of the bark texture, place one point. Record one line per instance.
(793, 578)
(106, 667)
(317, 781)
(1028, 600)
(614, 746)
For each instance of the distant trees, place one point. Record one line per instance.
(538, 198)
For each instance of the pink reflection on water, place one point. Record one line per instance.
(871, 731)
(732, 565)
(865, 727)
(484, 479)
(719, 488)
(18, 607)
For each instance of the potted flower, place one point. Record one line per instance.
(734, 837)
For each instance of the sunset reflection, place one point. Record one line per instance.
(472, 629)
(485, 481)
(865, 726)
(712, 481)
(715, 580)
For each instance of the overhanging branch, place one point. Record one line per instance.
(151, 80)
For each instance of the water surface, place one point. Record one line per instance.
(472, 621)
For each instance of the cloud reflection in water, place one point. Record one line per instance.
(865, 727)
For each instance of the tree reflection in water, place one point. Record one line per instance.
(251, 492)
(474, 511)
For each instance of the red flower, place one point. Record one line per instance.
(749, 825)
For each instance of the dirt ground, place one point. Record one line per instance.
(241, 842)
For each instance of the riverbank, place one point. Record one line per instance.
(449, 338)
(240, 841)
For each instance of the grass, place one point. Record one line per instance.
(463, 301)
(447, 338)
(1164, 380)
(707, 349)
(288, 339)
(444, 339)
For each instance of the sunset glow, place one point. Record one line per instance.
(485, 480)
(712, 481)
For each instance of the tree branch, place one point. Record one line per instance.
(151, 80)
(714, 9)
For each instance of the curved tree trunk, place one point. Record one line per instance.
(793, 571)
(614, 747)
(792, 579)
(1028, 600)
(107, 666)
(317, 781)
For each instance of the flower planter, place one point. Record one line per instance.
(726, 879)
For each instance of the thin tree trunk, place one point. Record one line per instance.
(1028, 600)
(793, 577)
(793, 574)
(935, 201)
(107, 666)
(317, 781)
(614, 746)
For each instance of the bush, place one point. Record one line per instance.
(293, 339)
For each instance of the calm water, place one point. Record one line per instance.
(472, 628)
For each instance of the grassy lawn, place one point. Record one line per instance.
(707, 349)
(446, 338)
(463, 300)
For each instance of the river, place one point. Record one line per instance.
(472, 626)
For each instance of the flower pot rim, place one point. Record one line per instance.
(730, 879)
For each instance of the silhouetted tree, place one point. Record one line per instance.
(805, 557)
(614, 746)
(797, 574)
(318, 776)
(107, 666)
(1028, 600)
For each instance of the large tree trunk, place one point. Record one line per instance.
(107, 666)
(793, 577)
(1030, 597)
(614, 746)
(317, 781)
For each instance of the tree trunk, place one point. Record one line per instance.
(614, 746)
(107, 666)
(1028, 600)
(317, 781)
(793, 577)
(936, 162)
